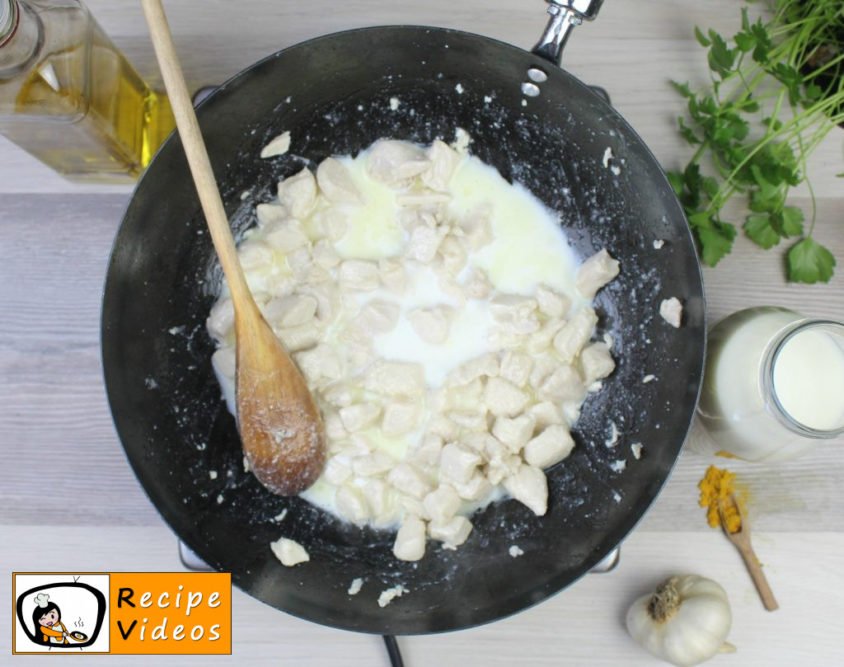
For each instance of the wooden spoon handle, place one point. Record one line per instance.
(200, 165)
(759, 578)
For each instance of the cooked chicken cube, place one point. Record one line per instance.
(410, 539)
(549, 447)
(596, 272)
(530, 487)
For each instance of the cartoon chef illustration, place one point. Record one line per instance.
(47, 617)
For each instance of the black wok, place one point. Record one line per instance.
(333, 94)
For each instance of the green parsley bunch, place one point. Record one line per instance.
(777, 90)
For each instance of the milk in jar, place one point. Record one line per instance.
(774, 383)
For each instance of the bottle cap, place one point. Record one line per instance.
(8, 19)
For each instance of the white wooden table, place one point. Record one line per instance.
(68, 500)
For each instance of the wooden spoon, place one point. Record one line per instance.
(741, 540)
(279, 423)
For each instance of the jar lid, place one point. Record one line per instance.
(8, 19)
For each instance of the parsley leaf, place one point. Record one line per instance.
(760, 230)
(810, 262)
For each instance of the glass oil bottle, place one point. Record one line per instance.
(70, 98)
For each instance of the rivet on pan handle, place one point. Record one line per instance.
(609, 563)
(566, 15)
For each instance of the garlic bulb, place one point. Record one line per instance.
(685, 621)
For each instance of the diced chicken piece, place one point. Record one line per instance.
(543, 366)
(541, 340)
(270, 213)
(359, 417)
(478, 441)
(575, 334)
(516, 367)
(286, 236)
(453, 255)
(337, 470)
(596, 272)
(395, 378)
(425, 242)
(298, 193)
(458, 462)
(546, 413)
(441, 504)
(221, 319)
(390, 594)
(358, 274)
(410, 539)
(334, 428)
(333, 222)
(373, 464)
(671, 310)
(340, 395)
(254, 255)
(299, 261)
(320, 363)
(498, 471)
(325, 255)
(400, 418)
(549, 447)
(290, 553)
(443, 161)
(359, 445)
(409, 504)
(290, 311)
(477, 229)
(465, 398)
(564, 384)
(530, 487)
(470, 420)
(278, 146)
(514, 432)
(380, 498)
(378, 317)
(393, 162)
(424, 199)
(596, 362)
(393, 275)
(518, 313)
(428, 451)
(476, 488)
(431, 324)
(408, 479)
(503, 398)
(351, 504)
(486, 365)
(477, 285)
(551, 303)
(299, 338)
(453, 533)
(336, 182)
(328, 300)
(224, 361)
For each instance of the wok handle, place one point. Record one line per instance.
(566, 15)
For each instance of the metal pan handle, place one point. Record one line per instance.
(566, 15)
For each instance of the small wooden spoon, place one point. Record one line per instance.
(741, 540)
(279, 423)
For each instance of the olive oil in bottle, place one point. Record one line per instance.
(70, 98)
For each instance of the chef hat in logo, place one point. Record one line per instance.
(42, 599)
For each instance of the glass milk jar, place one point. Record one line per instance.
(774, 383)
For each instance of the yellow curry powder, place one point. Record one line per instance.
(715, 486)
